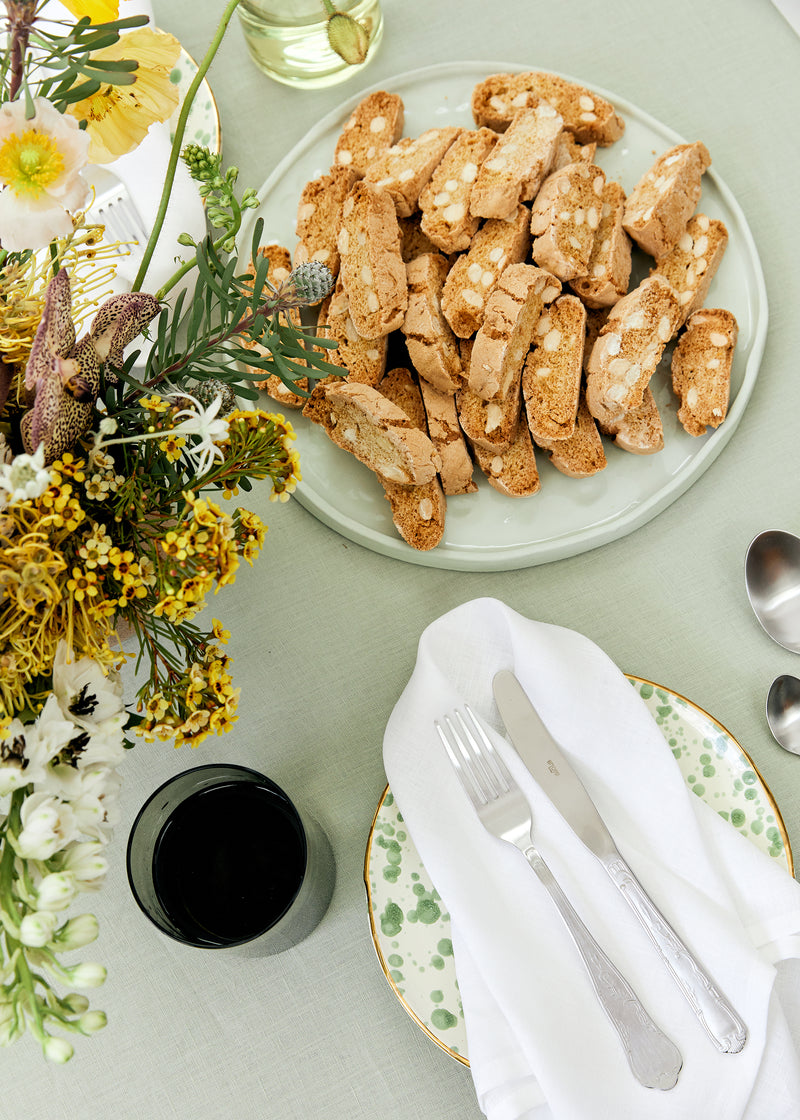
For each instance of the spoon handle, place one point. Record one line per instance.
(710, 1006)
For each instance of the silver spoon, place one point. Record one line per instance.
(783, 712)
(772, 579)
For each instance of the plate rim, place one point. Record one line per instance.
(634, 516)
(634, 679)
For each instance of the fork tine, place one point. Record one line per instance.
(472, 752)
(489, 755)
(461, 767)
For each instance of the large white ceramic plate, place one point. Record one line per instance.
(410, 924)
(488, 531)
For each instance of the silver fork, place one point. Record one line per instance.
(654, 1060)
(113, 208)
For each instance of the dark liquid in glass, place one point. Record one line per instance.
(229, 862)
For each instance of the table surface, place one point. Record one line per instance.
(324, 632)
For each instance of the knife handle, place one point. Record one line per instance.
(710, 1006)
(654, 1060)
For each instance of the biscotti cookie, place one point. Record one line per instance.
(515, 168)
(372, 269)
(582, 454)
(491, 425)
(418, 512)
(374, 125)
(551, 378)
(474, 274)
(405, 168)
(444, 202)
(497, 99)
(318, 215)
(512, 472)
(413, 242)
(380, 435)
(640, 430)
(701, 368)
(691, 265)
(512, 312)
(568, 150)
(663, 200)
(448, 439)
(432, 346)
(609, 269)
(280, 265)
(565, 217)
(362, 359)
(628, 349)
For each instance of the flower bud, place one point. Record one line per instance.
(57, 1050)
(86, 975)
(35, 930)
(75, 1002)
(56, 891)
(92, 1022)
(77, 932)
(348, 38)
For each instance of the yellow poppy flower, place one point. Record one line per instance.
(98, 11)
(118, 117)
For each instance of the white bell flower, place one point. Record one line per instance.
(56, 891)
(37, 929)
(48, 825)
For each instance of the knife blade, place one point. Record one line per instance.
(553, 772)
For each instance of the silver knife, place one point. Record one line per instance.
(548, 765)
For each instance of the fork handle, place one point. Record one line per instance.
(716, 1014)
(654, 1060)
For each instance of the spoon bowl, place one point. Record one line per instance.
(783, 712)
(772, 580)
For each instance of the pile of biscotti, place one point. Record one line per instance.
(501, 256)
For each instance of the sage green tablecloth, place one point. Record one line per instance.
(324, 632)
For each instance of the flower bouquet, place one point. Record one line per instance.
(124, 427)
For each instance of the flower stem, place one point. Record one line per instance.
(180, 128)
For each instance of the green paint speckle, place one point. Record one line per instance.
(437, 996)
(428, 911)
(395, 975)
(757, 827)
(391, 874)
(391, 920)
(419, 889)
(749, 778)
(445, 947)
(646, 691)
(443, 1019)
(738, 817)
(395, 960)
(437, 963)
(709, 771)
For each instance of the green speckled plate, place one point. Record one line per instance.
(411, 927)
(203, 126)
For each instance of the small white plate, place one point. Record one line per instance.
(411, 927)
(488, 531)
(203, 126)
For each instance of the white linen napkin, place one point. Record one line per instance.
(790, 10)
(540, 1045)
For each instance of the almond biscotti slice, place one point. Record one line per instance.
(448, 439)
(432, 346)
(701, 368)
(474, 274)
(512, 472)
(371, 264)
(318, 215)
(565, 217)
(374, 125)
(582, 454)
(405, 168)
(413, 242)
(640, 430)
(361, 420)
(515, 168)
(663, 200)
(444, 202)
(592, 119)
(568, 150)
(628, 349)
(418, 512)
(691, 265)
(280, 265)
(609, 270)
(512, 312)
(551, 379)
(491, 425)
(362, 359)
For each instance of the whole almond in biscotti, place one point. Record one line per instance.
(551, 378)
(374, 125)
(474, 274)
(361, 420)
(628, 349)
(609, 270)
(512, 472)
(405, 168)
(432, 346)
(371, 264)
(445, 201)
(318, 215)
(491, 425)
(565, 217)
(280, 265)
(582, 454)
(514, 169)
(640, 430)
(512, 312)
(661, 203)
(701, 368)
(591, 118)
(448, 439)
(691, 265)
(361, 359)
